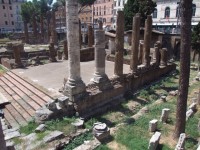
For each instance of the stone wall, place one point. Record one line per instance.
(87, 54)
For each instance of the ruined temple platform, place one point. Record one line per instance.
(51, 75)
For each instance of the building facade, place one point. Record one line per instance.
(104, 10)
(11, 19)
(166, 17)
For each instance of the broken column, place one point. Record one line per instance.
(17, 48)
(65, 50)
(112, 46)
(99, 76)
(119, 41)
(101, 131)
(181, 142)
(165, 115)
(74, 85)
(189, 113)
(90, 36)
(153, 125)
(147, 40)
(135, 43)
(154, 141)
(156, 53)
(141, 52)
(52, 53)
(163, 58)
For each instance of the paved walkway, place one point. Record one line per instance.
(51, 75)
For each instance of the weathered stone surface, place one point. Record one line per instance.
(101, 131)
(156, 53)
(193, 106)
(51, 105)
(111, 44)
(147, 40)
(154, 141)
(53, 136)
(135, 43)
(163, 58)
(88, 145)
(141, 52)
(153, 125)
(164, 115)
(119, 41)
(65, 50)
(40, 128)
(52, 53)
(11, 135)
(90, 36)
(164, 98)
(181, 142)
(173, 93)
(189, 113)
(43, 114)
(63, 101)
(78, 123)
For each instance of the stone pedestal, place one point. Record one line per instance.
(83, 38)
(147, 40)
(156, 53)
(181, 142)
(119, 40)
(101, 131)
(141, 53)
(164, 115)
(74, 88)
(154, 141)
(112, 46)
(65, 50)
(163, 59)
(99, 76)
(135, 43)
(90, 36)
(153, 125)
(52, 53)
(17, 48)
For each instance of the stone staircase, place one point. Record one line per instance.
(20, 99)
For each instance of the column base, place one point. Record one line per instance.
(75, 90)
(102, 82)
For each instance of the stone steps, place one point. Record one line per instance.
(21, 99)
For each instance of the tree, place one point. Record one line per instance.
(186, 15)
(26, 15)
(196, 42)
(144, 7)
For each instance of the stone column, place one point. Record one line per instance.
(156, 53)
(74, 85)
(141, 53)
(65, 50)
(163, 59)
(2, 141)
(17, 48)
(52, 53)
(119, 41)
(135, 43)
(90, 36)
(99, 76)
(147, 40)
(112, 45)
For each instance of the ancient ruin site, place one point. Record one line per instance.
(99, 89)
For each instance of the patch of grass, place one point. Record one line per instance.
(41, 135)
(144, 94)
(191, 126)
(79, 140)
(102, 147)
(28, 128)
(89, 123)
(17, 140)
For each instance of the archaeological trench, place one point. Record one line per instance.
(102, 92)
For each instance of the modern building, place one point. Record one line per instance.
(11, 19)
(85, 15)
(104, 10)
(166, 17)
(61, 19)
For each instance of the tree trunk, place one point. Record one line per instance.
(186, 14)
(26, 32)
(53, 28)
(34, 27)
(42, 27)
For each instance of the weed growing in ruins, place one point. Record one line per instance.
(29, 128)
(102, 147)
(90, 123)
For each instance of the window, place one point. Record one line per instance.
(167, 12)
(12, 22)
(104, 10)
(4, 7)
(100, 10)
(6, 22)
(178, 12)
(193, 9)
(10, 7)
(118, 2)
(155, 13)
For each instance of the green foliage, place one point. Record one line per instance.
(90, 123)
(196, 38)
(28, 128)
(102, 147)
(144, 7)
(79, 140)
(26, 11)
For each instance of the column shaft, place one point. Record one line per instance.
(90, 36)
(119, 40)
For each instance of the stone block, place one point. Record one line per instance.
(40, 128)
(78, 123)
(43, 114)
(51, 105)
(181, 142)
(193, 106)
(189, 113)
(101, 131)
(53, 136)
(154, 141)
(164, 115)
(63, 101)
(153, 125)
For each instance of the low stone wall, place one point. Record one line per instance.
(87, 54)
